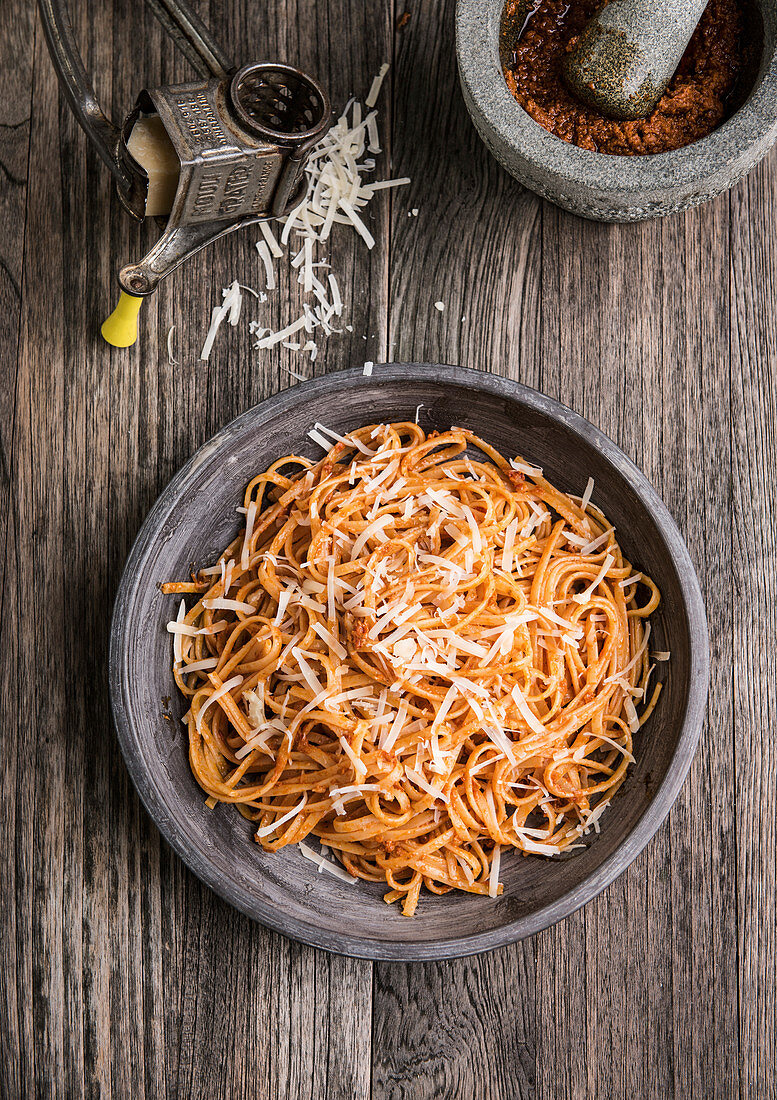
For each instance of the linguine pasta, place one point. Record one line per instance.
(420, 654)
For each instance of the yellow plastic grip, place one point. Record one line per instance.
(121, 328)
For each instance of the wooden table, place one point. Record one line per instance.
(121, 975)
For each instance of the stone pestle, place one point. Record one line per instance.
(628, 53)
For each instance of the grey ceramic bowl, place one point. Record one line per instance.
(195, 518)
(594, 185)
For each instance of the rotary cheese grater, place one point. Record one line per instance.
(218, 153)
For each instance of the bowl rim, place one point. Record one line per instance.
(737, 144)
(269, 915)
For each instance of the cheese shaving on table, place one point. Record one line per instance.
(230, 308)
(377, 84)
(264, 255)
(272, 243)
(278, 337)
(170, 357)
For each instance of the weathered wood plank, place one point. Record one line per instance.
(35, 580)
(754, 552)
(696, 334)
(16, 50)
(463, 1028)
(474, 244)
(635, 364)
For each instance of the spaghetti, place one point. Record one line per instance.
(419, 653)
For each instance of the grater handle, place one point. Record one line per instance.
(187, 31)
(78, 89)
(192, 38)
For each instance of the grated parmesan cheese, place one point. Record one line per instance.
(267, 829)
(214, 698)
(207, 664)
(230, 307)
(586, 497)
(330, 640)
(633, 717)
(311, 679)
(487, 763)
(339, 193)
(269, 237)
(326, 865)
(388, 740)
(222, 603)
(424, 784)
(377, 84)
(594, 544)
(634, 660)
(526, 712)
(501, 740)
(170, 357)
(177, 634)
(584, 597)
(493, 877)
(509, 542)
(525, 468)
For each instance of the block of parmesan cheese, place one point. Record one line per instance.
(151, 147)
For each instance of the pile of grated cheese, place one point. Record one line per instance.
(338, 193)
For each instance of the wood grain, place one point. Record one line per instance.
(754, 557)
(121, 975)
(15, 94)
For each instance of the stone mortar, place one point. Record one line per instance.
(597, 185)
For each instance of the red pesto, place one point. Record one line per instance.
(711, 82)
